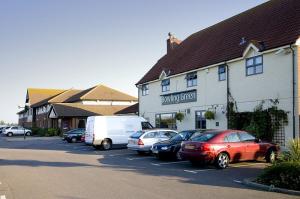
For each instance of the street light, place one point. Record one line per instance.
(23, 107)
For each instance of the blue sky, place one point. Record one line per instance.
(80, 43)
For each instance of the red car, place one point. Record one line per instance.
(221, 147)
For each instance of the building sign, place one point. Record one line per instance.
(180, 97)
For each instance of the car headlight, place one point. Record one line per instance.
(164, 148)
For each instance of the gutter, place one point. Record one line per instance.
(294, 85)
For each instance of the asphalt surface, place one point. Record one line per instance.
(50, 168)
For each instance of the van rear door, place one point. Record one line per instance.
(89, 131)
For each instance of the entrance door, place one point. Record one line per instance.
(200, 120)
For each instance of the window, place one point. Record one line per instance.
(203, 137)
(233, 137)
(166, 120)
(151, 135)
(222, 73)
(246, 137)
(146, 125)
(145, 89)
(254, 65)
(191, 79)
(166, 134)
(165, 85)
(200, 120)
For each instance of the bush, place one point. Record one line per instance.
(283, 175)
(179, 116)
(45, 132)
(209, 115)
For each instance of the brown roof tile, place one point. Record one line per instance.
(37, 95)
(65, 96)
(275, 23)
(134, 109)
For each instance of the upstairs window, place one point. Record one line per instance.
(191, 79)
(145, 89)
(222, 73)
(165, 85)
(254, 65)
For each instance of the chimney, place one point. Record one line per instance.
(172, 43)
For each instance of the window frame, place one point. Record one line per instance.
(254, 65)
(145, 89)
(219, 73)
(167, 86)
(193, 80)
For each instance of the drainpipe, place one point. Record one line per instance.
(227, 90)
(294, 85)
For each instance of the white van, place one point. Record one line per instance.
(105, 131)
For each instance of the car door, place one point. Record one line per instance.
(252, 148)
(20, 130)
(14, 130)
(234, 147)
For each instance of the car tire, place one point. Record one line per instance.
(271, 156)
(106, 144)
(28, 133)
(73, 139)
(222, 161)
(10, 134)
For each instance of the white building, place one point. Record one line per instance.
(251, 57)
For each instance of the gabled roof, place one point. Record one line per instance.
(37, 95)
(274, 23)
(65, 96)
(102, 93)
(81, 110)
(134, 109)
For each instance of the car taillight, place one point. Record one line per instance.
(204, 147)
(140, 142)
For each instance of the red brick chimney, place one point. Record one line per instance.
(172, 42)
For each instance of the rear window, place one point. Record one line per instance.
(203, 137)
(137, 134)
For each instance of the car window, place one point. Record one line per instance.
(146, 125)
(246, 137)
(152, 134)
(232, 137)
(183, 135)
(203, 137)
(137, 134)
(167, 134)
(14, 128)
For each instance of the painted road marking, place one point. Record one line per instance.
(166, 163)
(200, 170)
(120, 154)
(237, 181)
(190, 171)
(138, 158)
(2, 197)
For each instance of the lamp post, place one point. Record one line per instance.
(23, 123)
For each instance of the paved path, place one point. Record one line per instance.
(51, 168)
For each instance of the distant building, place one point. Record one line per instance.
(249, 58)
(68, 109)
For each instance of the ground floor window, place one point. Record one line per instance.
(200, 120)
(165, 120)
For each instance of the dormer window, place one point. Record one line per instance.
(165, 85)
(254, 65)
(191, 79)
(145, 89)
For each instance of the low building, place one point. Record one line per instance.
(248, 59)
(68, 109)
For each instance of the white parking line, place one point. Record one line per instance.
(139, 158)
(120, 154)
(166, 163)
(237, 181)
(2, 197)
(200, 170)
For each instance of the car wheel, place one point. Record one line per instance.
(106, 144)
(73, 140)
(271, 156)
(222, 161)
(28, 134)
(10, 134)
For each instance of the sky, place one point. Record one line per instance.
(81, 43)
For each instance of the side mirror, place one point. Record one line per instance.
(257, 140)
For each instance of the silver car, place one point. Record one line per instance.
(142, 141)
(16, 130)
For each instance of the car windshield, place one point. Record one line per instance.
(184, 135)
(203, 137)
(137, 134)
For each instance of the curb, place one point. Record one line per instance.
(249, 182)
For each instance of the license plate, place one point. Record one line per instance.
(189, 147)
(131, 142)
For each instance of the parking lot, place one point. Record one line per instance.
(51, 168)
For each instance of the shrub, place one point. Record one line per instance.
(209, 115)
(179, 116)
(45, 132)
(283, 175)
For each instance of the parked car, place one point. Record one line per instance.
(83, 137)
(74, 135)
(16, 130)
(170, 148)
(225, 146)
(142, 141)
(106, 131)
(2, 128)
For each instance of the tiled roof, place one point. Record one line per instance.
(134, 109)
(37, 95)
(101, 92)
(81, 110)
(65, 96)
(274, 23)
